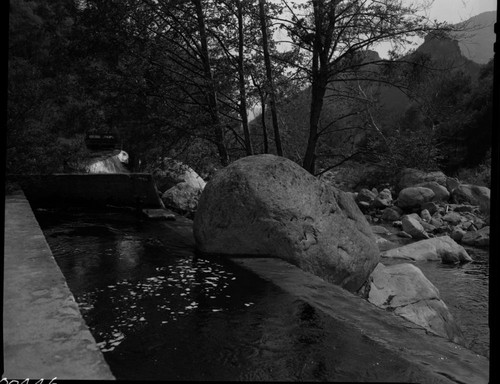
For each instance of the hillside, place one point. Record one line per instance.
(448, 55)
(477, 44)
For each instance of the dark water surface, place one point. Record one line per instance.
(159, 311)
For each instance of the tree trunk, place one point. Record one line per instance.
(267, 61)
(212, 93)
(263, 119)
(318, 87)
(241, 73)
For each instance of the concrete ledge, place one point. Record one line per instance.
(85, 189)
(45, 335)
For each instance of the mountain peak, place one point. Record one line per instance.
(476, 42)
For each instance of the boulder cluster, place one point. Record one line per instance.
(430, 205)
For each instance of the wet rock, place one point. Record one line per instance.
(414, 197)
(413, 227)
(410, 177)
(453, 218)
(440, 192)
(269, 205)
(442, 248)
(182, 197)
(391, 214)
(403, 289)
(479, 238)
(474, 195)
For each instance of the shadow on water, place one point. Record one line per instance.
(159, 311)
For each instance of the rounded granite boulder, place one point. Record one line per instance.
(265, 205)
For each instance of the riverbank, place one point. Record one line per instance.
(44, 333)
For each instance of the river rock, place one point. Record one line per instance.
(442, 248)
(413, 227)
(269, 205)
(366, 196)
(384, 244)
(414, 197)
(409, 177)
(391, 214)
(182, 197)
(431, 206)
(453, 218)
(479, 238)
(403, 289)
(425, 215)
(383, 199)
(474, 195)
(457, 234)
(170, 172)
(440, 192)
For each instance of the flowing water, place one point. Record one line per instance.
(464, 289)
(160, 311)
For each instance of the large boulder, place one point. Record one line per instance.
(170, 172)
(440, 192)
(472, 194)
(410, 177)
(269, 205)
(442, 248)
(403, 289)
(414, 197)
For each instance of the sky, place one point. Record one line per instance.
(451, 11)
(454, 11)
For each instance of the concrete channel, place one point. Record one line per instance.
(45, 335)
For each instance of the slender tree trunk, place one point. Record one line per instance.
(263, 119)
(267, 61)
(318, 93)
(212, 93)
(319, 84)
(241, 73)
